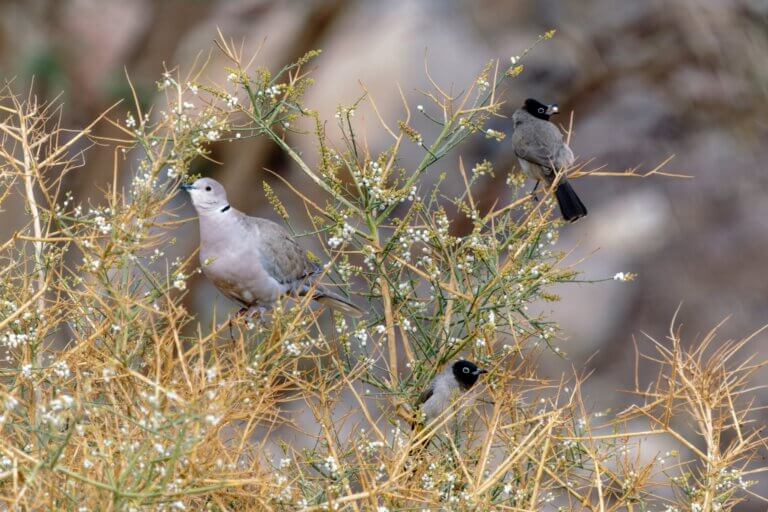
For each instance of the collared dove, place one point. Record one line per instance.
(251, 260)
(542, 153)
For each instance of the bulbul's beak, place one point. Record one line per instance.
(553, 109)
(479, 371)
(187, 186)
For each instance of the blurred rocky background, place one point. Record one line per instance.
(644, 80)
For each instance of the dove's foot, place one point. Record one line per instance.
(248, 313)
(240, 314)
(258, 311)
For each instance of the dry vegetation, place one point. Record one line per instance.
(114, 397)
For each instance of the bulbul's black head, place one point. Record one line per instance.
(466, 373)
(540, 110)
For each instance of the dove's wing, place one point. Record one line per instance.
(280, 255)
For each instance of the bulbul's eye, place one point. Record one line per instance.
(541, 110)
(465, 370)
(207, 189)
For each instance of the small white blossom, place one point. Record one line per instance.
(179, 283)
(61, 369)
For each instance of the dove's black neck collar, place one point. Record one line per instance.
(225, 209)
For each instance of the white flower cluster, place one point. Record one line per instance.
(54, 414)
(14, 340)
(482, 168)
(331, 465)
(144, 180)
(409, 237)
(371, 447)
(407, 325)
(427, 483)
(443, 225)
(292, 348)
(167, 81)
(466, 264)
(381, 197)
(372, 179)
(369, 257)
(519, 496)
(491, 320)
(362, 335)
(92, 264)
(622, 276)
(727, 480)
(495, 135)
(61, 370)
(344, 112)
(98, 216)
(10, 403)
(211, 128)
(342, 235)
(179, 282)
(272, 92)
(102, 224)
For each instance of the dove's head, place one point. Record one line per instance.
(207, 195)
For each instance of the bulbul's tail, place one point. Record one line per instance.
(570, 205)
(338, 303)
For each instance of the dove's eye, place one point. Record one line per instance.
(207, 189)
(465, 369)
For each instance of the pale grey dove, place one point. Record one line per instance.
(251, 260)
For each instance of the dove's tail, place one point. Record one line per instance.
(338, 303)
(570, 205)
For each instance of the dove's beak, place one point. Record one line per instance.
(187, 186)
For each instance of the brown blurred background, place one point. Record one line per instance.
(645, 80)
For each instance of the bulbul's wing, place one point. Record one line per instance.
(540, 142)
(425, 395)
(281, 256)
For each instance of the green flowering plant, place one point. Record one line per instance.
(114, 396)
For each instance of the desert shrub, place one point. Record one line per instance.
(115, 397)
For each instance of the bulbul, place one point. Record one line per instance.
(542, 153)
(443, 390)
(251, 260)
